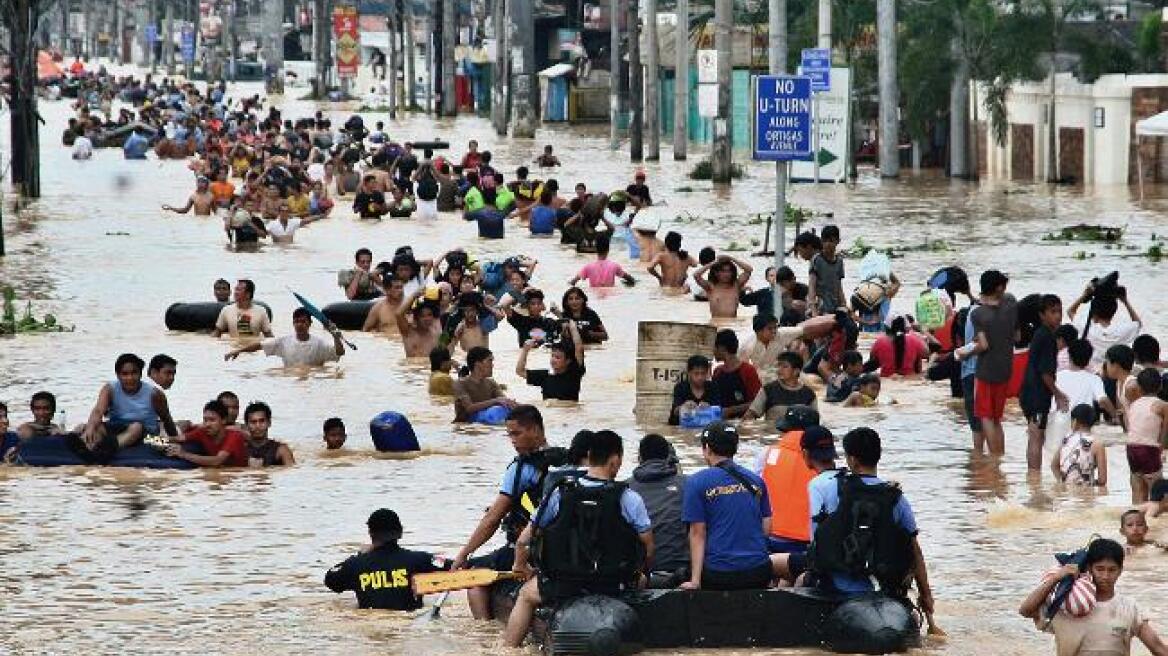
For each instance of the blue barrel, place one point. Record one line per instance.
(391, 431)
(495, 415)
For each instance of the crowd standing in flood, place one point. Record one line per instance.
(725, 527)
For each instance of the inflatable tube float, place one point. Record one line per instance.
(52, 451)
(391, 431)
(348, 315)
(198, 317)
(790, 617)
(436, 144)
(495, 415)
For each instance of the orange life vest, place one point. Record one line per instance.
(786, 476)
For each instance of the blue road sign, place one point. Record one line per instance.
(188, 44)
(816, 64)
(782, 117)
(152, 33)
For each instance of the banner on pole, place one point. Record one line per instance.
(187, 43)
(348, 40)
(833, 122)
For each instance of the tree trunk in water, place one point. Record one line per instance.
(614, 87)
(723, 132)
(889, 93)
(974, 140)
(523, 110)
(499, 74)
(681, 81)
(636, 85)
(959, 114)
(23, 124)
(167, 36)
(321, 46)
(652, 90)
(449, 33)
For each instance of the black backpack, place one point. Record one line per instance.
(427, 186)
(589, 540)
(862, 538)
(543, 460)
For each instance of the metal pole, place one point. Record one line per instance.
(721, 154)
(778, 66)
(408, 47)
(614, 14)
(824, 40)
(815, 136)
(681, 81)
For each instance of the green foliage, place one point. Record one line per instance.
(1098, 57)
(10, 324)
(1148, 44)
(705, 171)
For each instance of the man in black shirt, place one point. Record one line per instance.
(370, 201)
(639, 192)
(562, 382)
(533, 325)
(404, 168)
(381, 574)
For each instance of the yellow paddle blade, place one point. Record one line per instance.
(458, 580)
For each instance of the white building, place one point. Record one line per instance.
(1095, 142)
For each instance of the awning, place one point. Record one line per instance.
(557, 70)
(1153, 126)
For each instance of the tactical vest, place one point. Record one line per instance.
(589, 540)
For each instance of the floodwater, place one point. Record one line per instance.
(119, 561)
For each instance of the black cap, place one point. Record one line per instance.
(385, 522)
(798, 417)
(819, 443)
(991, 279)
(720, 434)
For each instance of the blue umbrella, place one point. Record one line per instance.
(319, 316)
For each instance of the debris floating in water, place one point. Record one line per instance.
(11, 325)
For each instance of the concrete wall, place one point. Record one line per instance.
(1106, 151)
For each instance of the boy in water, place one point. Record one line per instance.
(867, 391)
(723, 284)
(334, 433)
(671, 267)
(826, 275)
(1133, 526)
(441, 383)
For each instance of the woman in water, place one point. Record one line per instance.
(576, 308)
(898, 351)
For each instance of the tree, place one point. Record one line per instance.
(21, 18)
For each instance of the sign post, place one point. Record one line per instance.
(782, 132)
(816, 64)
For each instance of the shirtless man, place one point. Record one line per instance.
(724, 284)
(469, 333)
(671, 267)
(422, 336)
(383, 315)
(650, 245)
(202, 200)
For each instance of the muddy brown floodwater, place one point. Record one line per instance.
(123, 561)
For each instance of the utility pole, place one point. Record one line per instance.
(523, 109)
(777, 41)
(392, 21)
(89, 33)
(273, 40)
(652, 89)
(499, 72)
(449, 32)
(681, 81)
(408, 38)
(614, 86)
(889, 93)
(321, 55)
(959, 112)
(636, 85)
(721, 154)
(824, 40)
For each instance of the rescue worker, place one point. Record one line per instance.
(381, 573)
(519, 494)
(729, 517)
(659, 481)
(854, 506)
(593, 537)
(803, 451)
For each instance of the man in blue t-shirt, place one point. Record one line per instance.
(605, 456)
(862, 452)
(518, 496)
(729, 517)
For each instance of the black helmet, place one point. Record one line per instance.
(798, 417)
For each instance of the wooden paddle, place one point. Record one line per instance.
(458, 580)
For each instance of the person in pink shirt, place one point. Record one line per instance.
(899, 350)
(603, 272)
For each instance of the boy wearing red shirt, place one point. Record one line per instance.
(225, 447)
